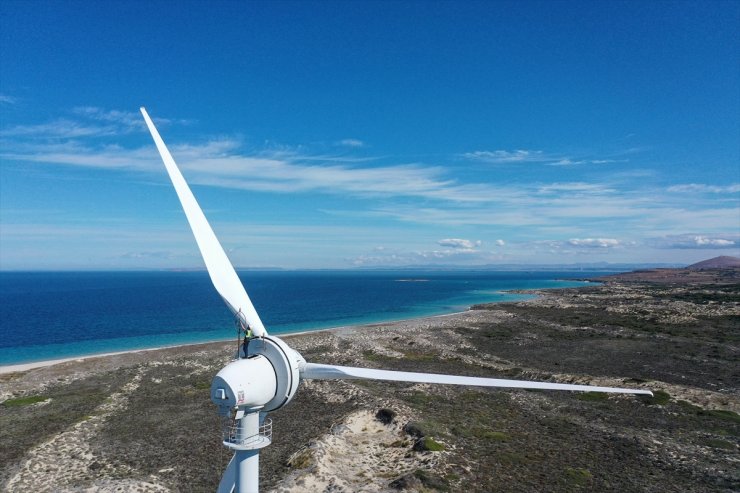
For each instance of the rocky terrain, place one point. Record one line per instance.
(144, 422)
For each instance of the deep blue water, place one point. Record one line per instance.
(48, 315)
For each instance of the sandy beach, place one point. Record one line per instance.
(117, 422)
(23, 367)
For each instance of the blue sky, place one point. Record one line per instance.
(354, 134)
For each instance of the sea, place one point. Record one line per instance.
(52, 315)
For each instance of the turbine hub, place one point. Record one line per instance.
(285, 361)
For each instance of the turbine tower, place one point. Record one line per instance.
(268, 377)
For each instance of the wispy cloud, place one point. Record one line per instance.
(425, 257)
(283, 175)
(352, 143)
(75, 154)
(702, 188)
(59, 129)
(578, 246)
(594, 242)
(575, 187)
(574, 162)
(84, 121)
(122, 119)
(147, 255)
(565, 162)
(697, 241)
(219, 163)
(223, 163)
(502, 156)
(585, 215)
(523, 156)
(459, 243)
(5, 99)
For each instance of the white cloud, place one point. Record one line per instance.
(715, 242)
(218, 163)
(501, 156)
(530, 156)
(72, 154)
(519, 207)
(459, 243)
(577, 246)
(426, 257)
(565, 162)
(147, 255)
(697, 241)
(5, 99)
(59, 129)
(125, 119)
(354, 143)
(579, 187)
(85, 121)
(574, 209)
(594, 242)
(701, 188)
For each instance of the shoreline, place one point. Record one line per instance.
(32, 365)
(106, 423)
(50, 360)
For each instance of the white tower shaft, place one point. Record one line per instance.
(251, 434)
(247, 461)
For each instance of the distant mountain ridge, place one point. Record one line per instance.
(717, 270)
(721, 262)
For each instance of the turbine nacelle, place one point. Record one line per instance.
(244, 384)
(266, 380)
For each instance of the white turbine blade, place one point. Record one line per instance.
(228, 480)
(222, 273)
(333, 372)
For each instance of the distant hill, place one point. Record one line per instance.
(722, 262)
(718, 270)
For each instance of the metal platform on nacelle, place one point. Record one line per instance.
(263, 438)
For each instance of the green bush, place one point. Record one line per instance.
(719, 443)
(592, 396)
(659, 397)
(24, 401)
(721, 413)
(425, 444)
(578, 476)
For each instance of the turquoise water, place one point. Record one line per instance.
(69, 314)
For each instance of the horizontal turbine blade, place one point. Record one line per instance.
(219, 267)
(315, 371)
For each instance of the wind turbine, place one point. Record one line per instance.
(268, 378)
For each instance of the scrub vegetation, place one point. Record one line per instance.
(679, 340)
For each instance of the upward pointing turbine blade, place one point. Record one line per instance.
(219, 267)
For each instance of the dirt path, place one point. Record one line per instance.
(66, 461)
